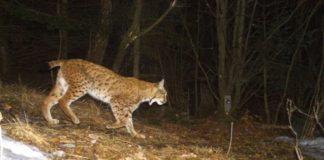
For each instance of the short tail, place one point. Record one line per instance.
(56, 63)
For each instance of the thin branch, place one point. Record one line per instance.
(318, 104)
(294, 58)
(250, 25)
(194, 49)
(279, 26)
(316, 112)
(210, 10)
(295, 108)
(285, 21)
(158, 21)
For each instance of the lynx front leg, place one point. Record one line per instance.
(131, 130)
(118, 116)
(124, 118)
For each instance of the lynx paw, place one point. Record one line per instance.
(139, 136)
(109, 127)
(76, 121)
(53, 121)
(114, 126)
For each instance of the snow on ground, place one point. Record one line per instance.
(310, 147)
(14, 150)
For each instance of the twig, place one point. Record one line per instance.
(290, 110)
(316, 110)
(230, 144)
(295, 108)
(315, 116)
(195, 51)
(210, 9)
(250, 25)
(285, 21)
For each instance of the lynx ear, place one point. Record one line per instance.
(161, 84)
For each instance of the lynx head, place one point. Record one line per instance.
(160, 94)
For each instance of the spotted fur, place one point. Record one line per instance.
(77, 77)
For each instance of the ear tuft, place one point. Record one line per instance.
(161, 84)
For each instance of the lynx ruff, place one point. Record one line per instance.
(77, 77)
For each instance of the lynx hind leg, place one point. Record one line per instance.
(70, 96)
(124, 118)
(52, 99)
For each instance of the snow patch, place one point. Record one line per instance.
(14, 150)
(310, 147)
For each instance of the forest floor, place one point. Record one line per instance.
(206, 138)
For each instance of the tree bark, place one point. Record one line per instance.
(230, 64)
(4, 54)
(4, 60)
(221, 36)
(238, 51)
(137, 43)
(97, 50)
(62, 6)
(127, 38)
(265, 93)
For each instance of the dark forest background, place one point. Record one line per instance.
(219, 58)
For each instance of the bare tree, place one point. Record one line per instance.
(98, 46)
(230, 63)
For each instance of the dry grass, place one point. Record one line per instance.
(23, 121)
(25, 132)
(202, 139)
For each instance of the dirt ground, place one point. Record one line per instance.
(207, 138)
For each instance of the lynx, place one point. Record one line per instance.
(77, 77)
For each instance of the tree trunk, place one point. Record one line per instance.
(122, 50)
(265, 93)
(62, 6)
(4, 54)
(238, 49)
(127, 38)
(4, 60)
(97, 50)
(137, 44)
(221, 36)
(230, 64)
